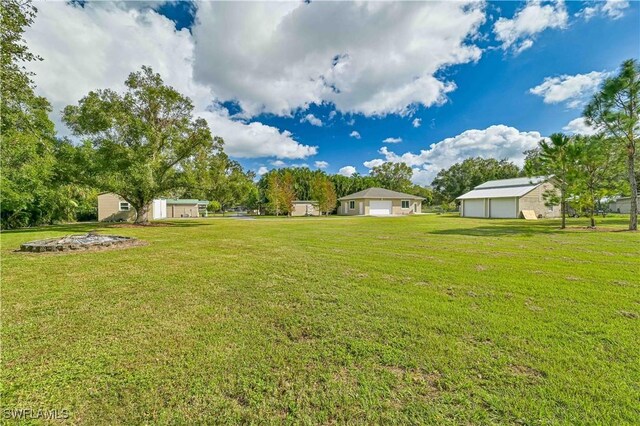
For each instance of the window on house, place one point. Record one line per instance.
(405, 204)
(124, 206)
(352, 205)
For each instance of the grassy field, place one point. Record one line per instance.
(429, 319)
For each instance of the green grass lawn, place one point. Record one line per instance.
(424, 319)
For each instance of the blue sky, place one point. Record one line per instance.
(287, 84)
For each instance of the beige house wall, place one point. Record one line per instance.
(396, 206)
(182, 210)
(414, 206)
(534, 200)
(305, 209)
(109, 208)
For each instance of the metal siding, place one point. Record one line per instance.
(473, 208)
(504, 208)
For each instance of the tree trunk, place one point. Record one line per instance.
(633, 214)
(142, 217)
(563, 212)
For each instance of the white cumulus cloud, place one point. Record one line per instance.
(392, 140)
(347, 171)
(355, 134)
(417, 122)
(263, 171)
(374, 58)
(321, 164)
(311, 119)
(101, 43)
(498, 141)
(614, 9)
(578, 126)
(252, 139)
(573, 89)
(519, 32)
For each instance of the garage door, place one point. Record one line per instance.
(473, 208)
(379, 207)
(503, 208)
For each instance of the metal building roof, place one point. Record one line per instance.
(504, 188)
(521, 181)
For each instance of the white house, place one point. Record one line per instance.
(507, 198)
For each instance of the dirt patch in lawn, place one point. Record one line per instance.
(77, 243)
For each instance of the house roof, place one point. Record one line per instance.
(504, 188)
(380, 193)
(186, 201)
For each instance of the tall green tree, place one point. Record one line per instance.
(615, 110)
(463, 177)
(27, 135)
(393, 176)
(557, 158)
(214, 176)
(324, 193)
(597, 173)
(140, 138)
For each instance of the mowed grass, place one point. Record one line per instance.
(424, 319)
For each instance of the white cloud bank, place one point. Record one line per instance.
(100, 44)
(373, 58)
(573, 89)
(519, 32)
(497, 141)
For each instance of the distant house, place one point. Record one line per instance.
(622, 205)
(379, 202)
(186, 207)
(508, 198)
(305, 208)
(113, 208)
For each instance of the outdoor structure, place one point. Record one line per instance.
(305, 208)
(622, 205)
(113, 208)
(379, 202)
(508, 198)
(186, 207)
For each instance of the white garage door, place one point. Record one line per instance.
(473, 208)
(379, 207)
(503, 207)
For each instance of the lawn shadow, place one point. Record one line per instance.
(494, 228)
(75, 228)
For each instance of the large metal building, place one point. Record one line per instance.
(508, 198)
